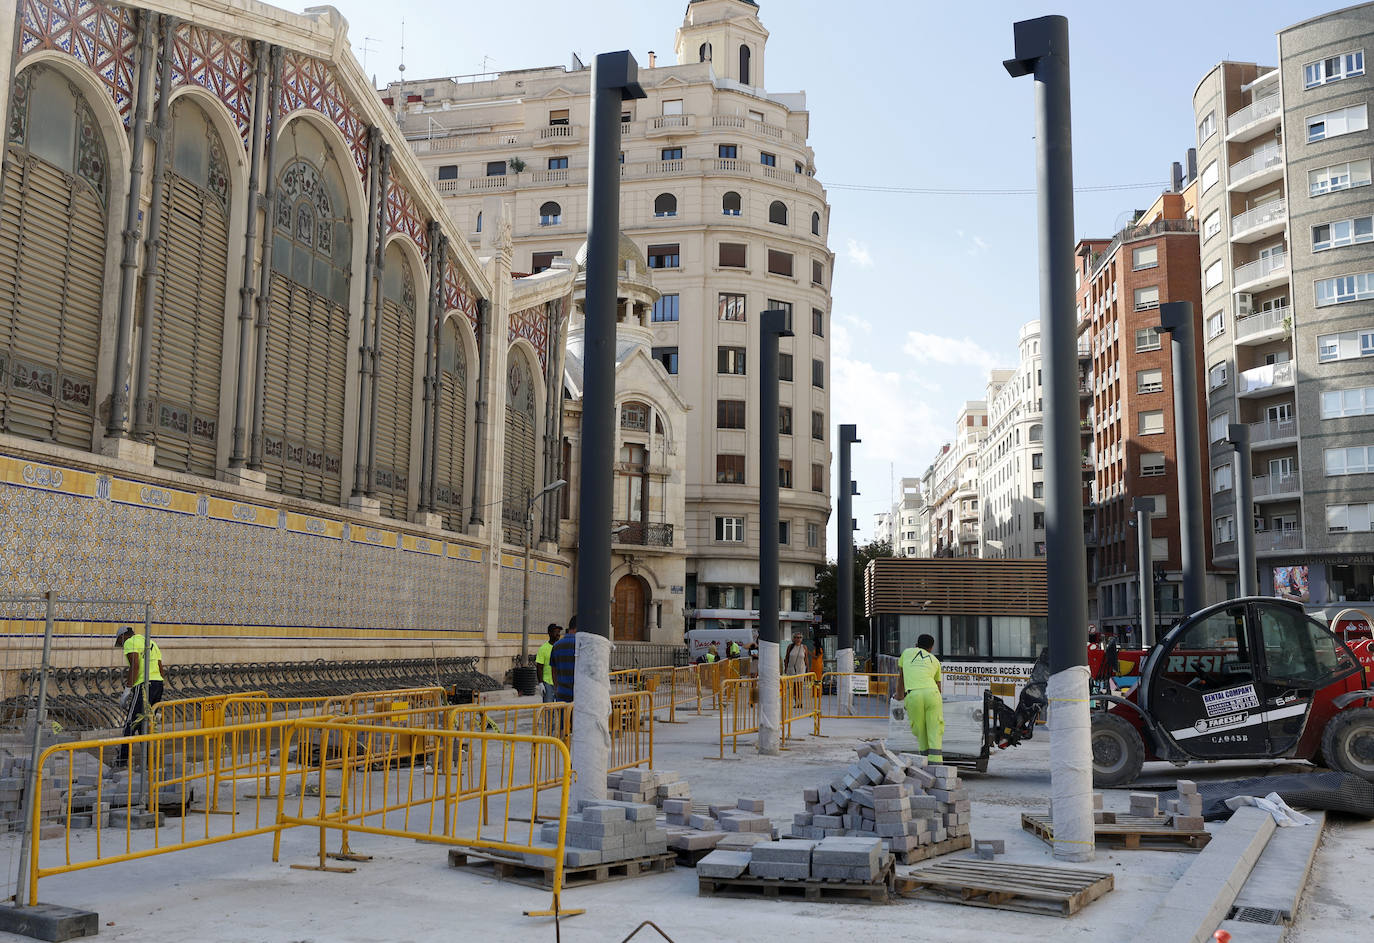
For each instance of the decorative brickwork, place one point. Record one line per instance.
(309, 83)
(221, 64)
(101, 35)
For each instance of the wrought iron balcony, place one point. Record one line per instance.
(643, 535)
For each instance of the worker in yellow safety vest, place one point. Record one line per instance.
(542, 663)
(918, 683)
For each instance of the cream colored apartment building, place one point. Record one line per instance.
(1011, 461)
(719, 192)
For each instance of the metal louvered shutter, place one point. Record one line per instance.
(452, 446)
(188, 345)
(519, 473)
(52, 237)
(396, 379)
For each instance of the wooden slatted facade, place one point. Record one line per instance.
(959, 586)
(396, 382)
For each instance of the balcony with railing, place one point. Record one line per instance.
(637, 534)
(1264, 165)
(1273, 432)
(660, 125)
(968, 533)
(1274, 487)
(1254, 119)
(1224, 549)
(559, 134)
(1263, 326)
(1260, 221)
(1261, 274)
(1272, 541)
(1271, 376)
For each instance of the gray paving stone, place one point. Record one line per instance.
(780, 870)
(723, 864)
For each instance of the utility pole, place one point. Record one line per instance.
(1042, 50)
(615, 79)
(844, 570)
(772, 325)
(1143, 508)
(1176, 320)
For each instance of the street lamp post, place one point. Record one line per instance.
(1238, 434)
(1176, 320)
(1143, 508)
(772, 325)
(530, 502)
(844, 573)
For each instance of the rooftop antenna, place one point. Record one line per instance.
(486, 61)
(403, 49)
(366, 48)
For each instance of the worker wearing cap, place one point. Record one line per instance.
(918, 684)
(134, 677)
(544, 664)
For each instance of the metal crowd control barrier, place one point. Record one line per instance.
(191, 713)
(739, 711)
(799, 700)
(624, 680)
(632, 732)
(869, 695)
(441, 795)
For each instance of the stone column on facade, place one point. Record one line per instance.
(429, 451)
(152, 253)
(553, 408)
(366, 342)
(264, 299)
(9, 26)
(383, 183)
(477, 517)
(493, 471)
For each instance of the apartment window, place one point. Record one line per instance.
(1213, 276)
(817, 478)
(1209, 176)
(818, 374)
(784, 366)
(730, 530)
(1211, 225)
(1151, 422)
(777, 213)
(817, 272)
(1144, 257)
(635, 417)
(1347, 345)
(1346, 232)
(1037, 460)
(448, 172)
(1147, 338)
(730, 360)
(1332, 124)
(729, 469)
(496, 168)
(1149, 381)
(665, 308)
(1146, 298)
(818, 322)
(785, 307)
(813, 535)
(785, 533)
(672, 106)
(815, 224)
(539, 261)
(1038, 520)
(727, 151)
(550, 214)
(1354, 402)
(729, 414)
(1221, 478)
(1344, 518)
(670, 153)
(780, 263)
(1152, 464)
(1226, 529)
(785, 421)
(1345, 176)
(558, 163)
(1350, 461)
(767, 159)
(1218, 427)
(732, 255)
(730, 306)
(668, 357)
(1207, 127)
(1037, 489)
(1344, 288)
(1333, 69)
(558, 117)
(665, 256)
(785, 473)
(665, 204)
(479, 222)
(1216, 375)
(730, 204)
(818, 425)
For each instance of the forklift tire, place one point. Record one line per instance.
(1348, 742)
(1118, 751)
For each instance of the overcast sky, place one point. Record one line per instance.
(929, 289)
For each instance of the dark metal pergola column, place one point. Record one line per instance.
(1238, 434)
(844, 571)
(1176, 320)
(772, 325)
(1143, 508)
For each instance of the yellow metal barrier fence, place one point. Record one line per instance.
(870, 693)
(632, 731)
(739, 711)
(799, 700)
(624, 680)
(191, 713)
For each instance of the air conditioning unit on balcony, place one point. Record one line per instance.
(1245, 304)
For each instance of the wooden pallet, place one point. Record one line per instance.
(926, 852)
(541, 876)
(1034, 889)
(833, 892)
(688, 858)
(1135, 833)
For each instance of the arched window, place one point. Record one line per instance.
(777, 212)
(815, 224)
(665, 204)
(730, 204)
(521, 451)
(188, 307)
(479, 222)
(307, 334)
(550, 214)
(744, 56)
(52, 259)
(1036, 434)
(395, 385)
(453, 425)
(704, 53)
(634, 417)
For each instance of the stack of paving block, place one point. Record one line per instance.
(717, 827)
(14, 781)
(647, 785)
(604, 831)
(844, 859)
(1185, 812)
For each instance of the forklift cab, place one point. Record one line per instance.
(1244, 679)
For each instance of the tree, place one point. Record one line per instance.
(826, 586)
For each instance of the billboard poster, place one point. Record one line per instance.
(1290, 582)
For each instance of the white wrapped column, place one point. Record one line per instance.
(770, 703)
(591, 733)
(1071, 771)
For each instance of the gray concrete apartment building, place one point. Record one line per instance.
(1287, 220)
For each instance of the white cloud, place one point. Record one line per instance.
(952, 351)
(977, 241)
(858, 253)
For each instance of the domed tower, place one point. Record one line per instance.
(728, 34)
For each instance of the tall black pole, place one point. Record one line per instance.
(772, 325)
(1238, 434)
(615, 78)
(844, 575)
(1042, 50)
(1143, 508)
(1176, 320)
